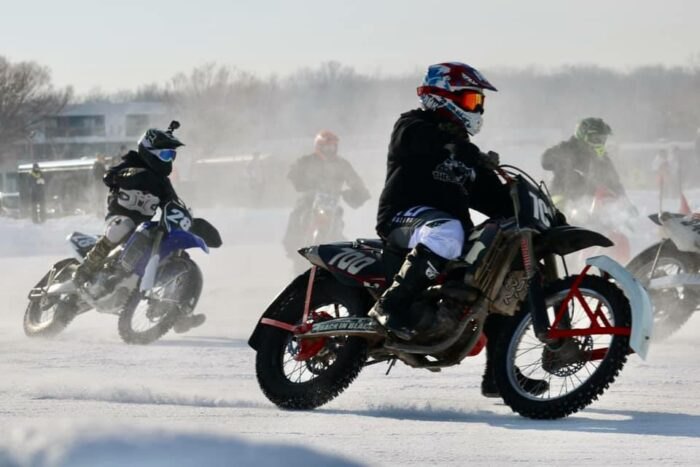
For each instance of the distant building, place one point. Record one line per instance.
(83, 130)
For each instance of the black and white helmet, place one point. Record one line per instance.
(157, 148)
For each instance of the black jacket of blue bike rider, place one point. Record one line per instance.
(136, 190)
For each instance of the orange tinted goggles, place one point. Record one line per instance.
(470, 100)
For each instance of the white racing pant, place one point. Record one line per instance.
(439, 231)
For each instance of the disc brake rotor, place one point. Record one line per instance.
(316, 354)
(568, 358)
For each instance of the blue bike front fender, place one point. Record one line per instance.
(181, 240)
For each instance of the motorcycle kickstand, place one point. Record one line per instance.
(392, 362)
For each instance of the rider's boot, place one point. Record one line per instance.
(393, 309)
(489, 388)
(188, 321)
(530, 385)
(94, 259)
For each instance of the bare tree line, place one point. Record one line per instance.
(233, 106)
(26, 98)
(224, 105)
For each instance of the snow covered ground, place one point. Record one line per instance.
(87, 399)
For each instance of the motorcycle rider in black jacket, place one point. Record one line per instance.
(138, 186)
(323, 171)
(581, 163)
(435, 174)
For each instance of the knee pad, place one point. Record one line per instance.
(118, 228)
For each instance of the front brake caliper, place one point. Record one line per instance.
(309, 348)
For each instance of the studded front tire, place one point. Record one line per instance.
(578, 369)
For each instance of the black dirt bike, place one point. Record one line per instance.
(149, 281)
(573, 332)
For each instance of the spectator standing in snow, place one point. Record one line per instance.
(38, 194)
(99, 168)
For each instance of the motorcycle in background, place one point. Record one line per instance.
(322, 222)
(325, 218)
(610, 214)
(670, 270)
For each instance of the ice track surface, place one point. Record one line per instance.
(87, 399)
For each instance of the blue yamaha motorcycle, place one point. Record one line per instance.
(149, 281)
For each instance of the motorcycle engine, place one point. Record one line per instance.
(513, 292)
(137, 247)
(443, 307)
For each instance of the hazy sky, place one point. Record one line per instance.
(123, 44)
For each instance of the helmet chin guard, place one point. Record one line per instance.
(472, 121)
(594, 132)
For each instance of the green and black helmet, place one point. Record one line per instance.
(595, 132)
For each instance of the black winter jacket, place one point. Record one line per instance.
(135, 190)
(579, 171)
(432, 163)
(330, 175)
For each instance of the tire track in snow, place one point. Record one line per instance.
(141, 395)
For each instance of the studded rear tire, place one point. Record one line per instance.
(284, 387)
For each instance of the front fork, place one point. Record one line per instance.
(656, 259)
(536, 298)
(538, 307)
(562, 321)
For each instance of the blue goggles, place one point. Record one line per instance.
(166, 155)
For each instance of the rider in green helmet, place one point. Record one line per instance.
(581, 164)
(594, 132)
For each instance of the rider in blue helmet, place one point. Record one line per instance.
(138, 186)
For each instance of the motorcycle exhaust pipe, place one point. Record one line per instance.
(478, 315)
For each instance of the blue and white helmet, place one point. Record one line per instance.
(457, 90)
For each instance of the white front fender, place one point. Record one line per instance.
(640, 304)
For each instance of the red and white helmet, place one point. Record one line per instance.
(457, 90)
(326, 144)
